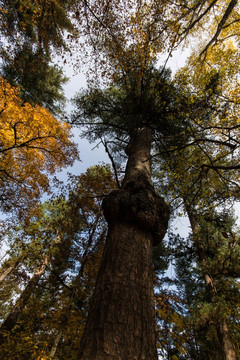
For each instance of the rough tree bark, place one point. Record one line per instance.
(121, 320)
(221, 326)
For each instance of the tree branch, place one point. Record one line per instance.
(226, 15)
(112, 161)
(222, 167)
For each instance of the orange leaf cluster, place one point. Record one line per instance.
(33, 144)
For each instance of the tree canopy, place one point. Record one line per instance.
(31, 31)
(33, 145)
(173, 144)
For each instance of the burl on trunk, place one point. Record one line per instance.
(121, 321)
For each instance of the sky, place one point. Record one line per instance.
(93, 154)
(89, 153)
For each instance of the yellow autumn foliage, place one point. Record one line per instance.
(33, 144)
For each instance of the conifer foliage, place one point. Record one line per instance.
(79, 283)
(58, 249)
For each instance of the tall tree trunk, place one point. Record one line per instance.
(64, 321)
(11, 267)
(221, 326)
(11, 320)
(225, 341)
(65, 317)
(57, 340)
(121, 320)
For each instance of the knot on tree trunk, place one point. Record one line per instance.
(138, 204)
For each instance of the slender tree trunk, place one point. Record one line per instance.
(64, 323)
(225, 341)
(11, 320)
(8, 271)
(65, 317)
(56, 341)
(10, 268)
(221, 326)
(121, 320)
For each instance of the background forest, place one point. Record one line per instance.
(51, 250)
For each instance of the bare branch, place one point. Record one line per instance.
(112, 161)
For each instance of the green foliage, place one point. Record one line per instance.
(160, 257)
(70, 230)
(39, 82)
(194, 121)
(36, 21)
(213, 252)
(115, 113)
(30, 31)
